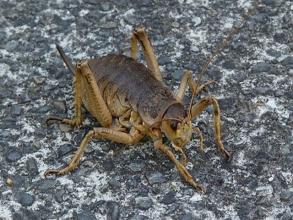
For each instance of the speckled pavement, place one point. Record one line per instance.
(254, 88)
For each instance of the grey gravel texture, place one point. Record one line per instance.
(254, 88)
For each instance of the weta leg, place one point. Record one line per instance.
(98, 133)
(200, 107)
(140, 35)
(93, 99)
(182, 170)
(193, 85)
(77, 105)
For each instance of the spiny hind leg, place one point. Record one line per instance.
(200, 107)
(193, 85)
(77, 119)
(182, 169)
(93, 98)
(140, 35)
(132, 137)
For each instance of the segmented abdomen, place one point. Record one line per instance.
(126, 77)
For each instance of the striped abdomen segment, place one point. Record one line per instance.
(145, 94)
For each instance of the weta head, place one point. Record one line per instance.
(176, 126)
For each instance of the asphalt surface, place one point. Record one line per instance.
(254, 87)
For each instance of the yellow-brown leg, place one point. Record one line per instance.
(133, 46)
(201, 106)
(140, 35)
(130, 138)
(124, 119)
(183, 158)
(77, 105)
(182, 170)
(93, 99)
(187, 80)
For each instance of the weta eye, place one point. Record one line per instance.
(174, 125)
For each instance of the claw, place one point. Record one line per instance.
(52, 172)
(52, 119)
(183, 158)
(200, 188)
(226, 154)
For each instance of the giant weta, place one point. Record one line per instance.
(131, 101)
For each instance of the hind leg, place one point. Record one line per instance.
(200, 107)
(95, 104)
(77, 119)
(140, 35)
(130, 138)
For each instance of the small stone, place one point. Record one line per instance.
(266, 190)
(229, 64)
(9, 182)
(285, 216)
(143, 202)
(262, 90)
(92, 2)
(106, 6)
(261, 212)
(196, 21)
(113, 211)
(227, 103)
(178, 74)
(46, 185)
(114, 183)
(286, 196)
(139, 217)
(187, 216)
(108, 165)
(64, 127)
(155, 178)
(84, 215)
(24, 198)
(109, 25)
(163, 60)
(136, 167)
(274, 53)
(261, 67)
(16, 110)
(64, 150)
(19, 181)
(11, 45)
(195, 198)
(44, 109)
(287, 61)
(59, 196)
(272, 3)
(169, 198)
(175, 24)
(60, 105)
(281, 38)
(131, 19)
(39, 80)
(13, 156)
(32, 167)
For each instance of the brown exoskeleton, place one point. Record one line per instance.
(131, 101)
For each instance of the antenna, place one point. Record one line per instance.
(66, 59)
(219, 47)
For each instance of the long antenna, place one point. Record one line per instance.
(220, 46)
(66, 59)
